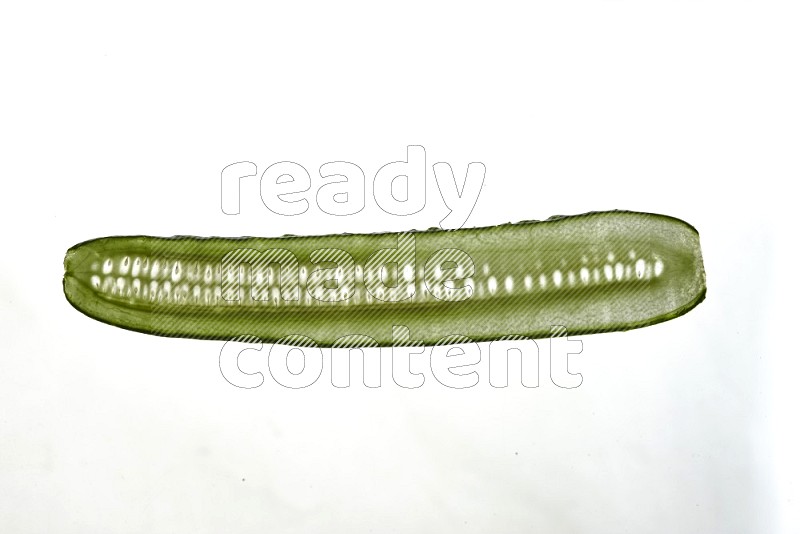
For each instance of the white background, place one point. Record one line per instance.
(118, 120)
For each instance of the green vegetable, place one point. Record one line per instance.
(596, 272)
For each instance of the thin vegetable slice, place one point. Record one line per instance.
(596, 272)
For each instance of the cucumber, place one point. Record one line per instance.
(595, 272)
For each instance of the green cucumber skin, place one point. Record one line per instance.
(535, 255)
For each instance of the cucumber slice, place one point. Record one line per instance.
(596, 272)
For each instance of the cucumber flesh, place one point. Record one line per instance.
(596, 272)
